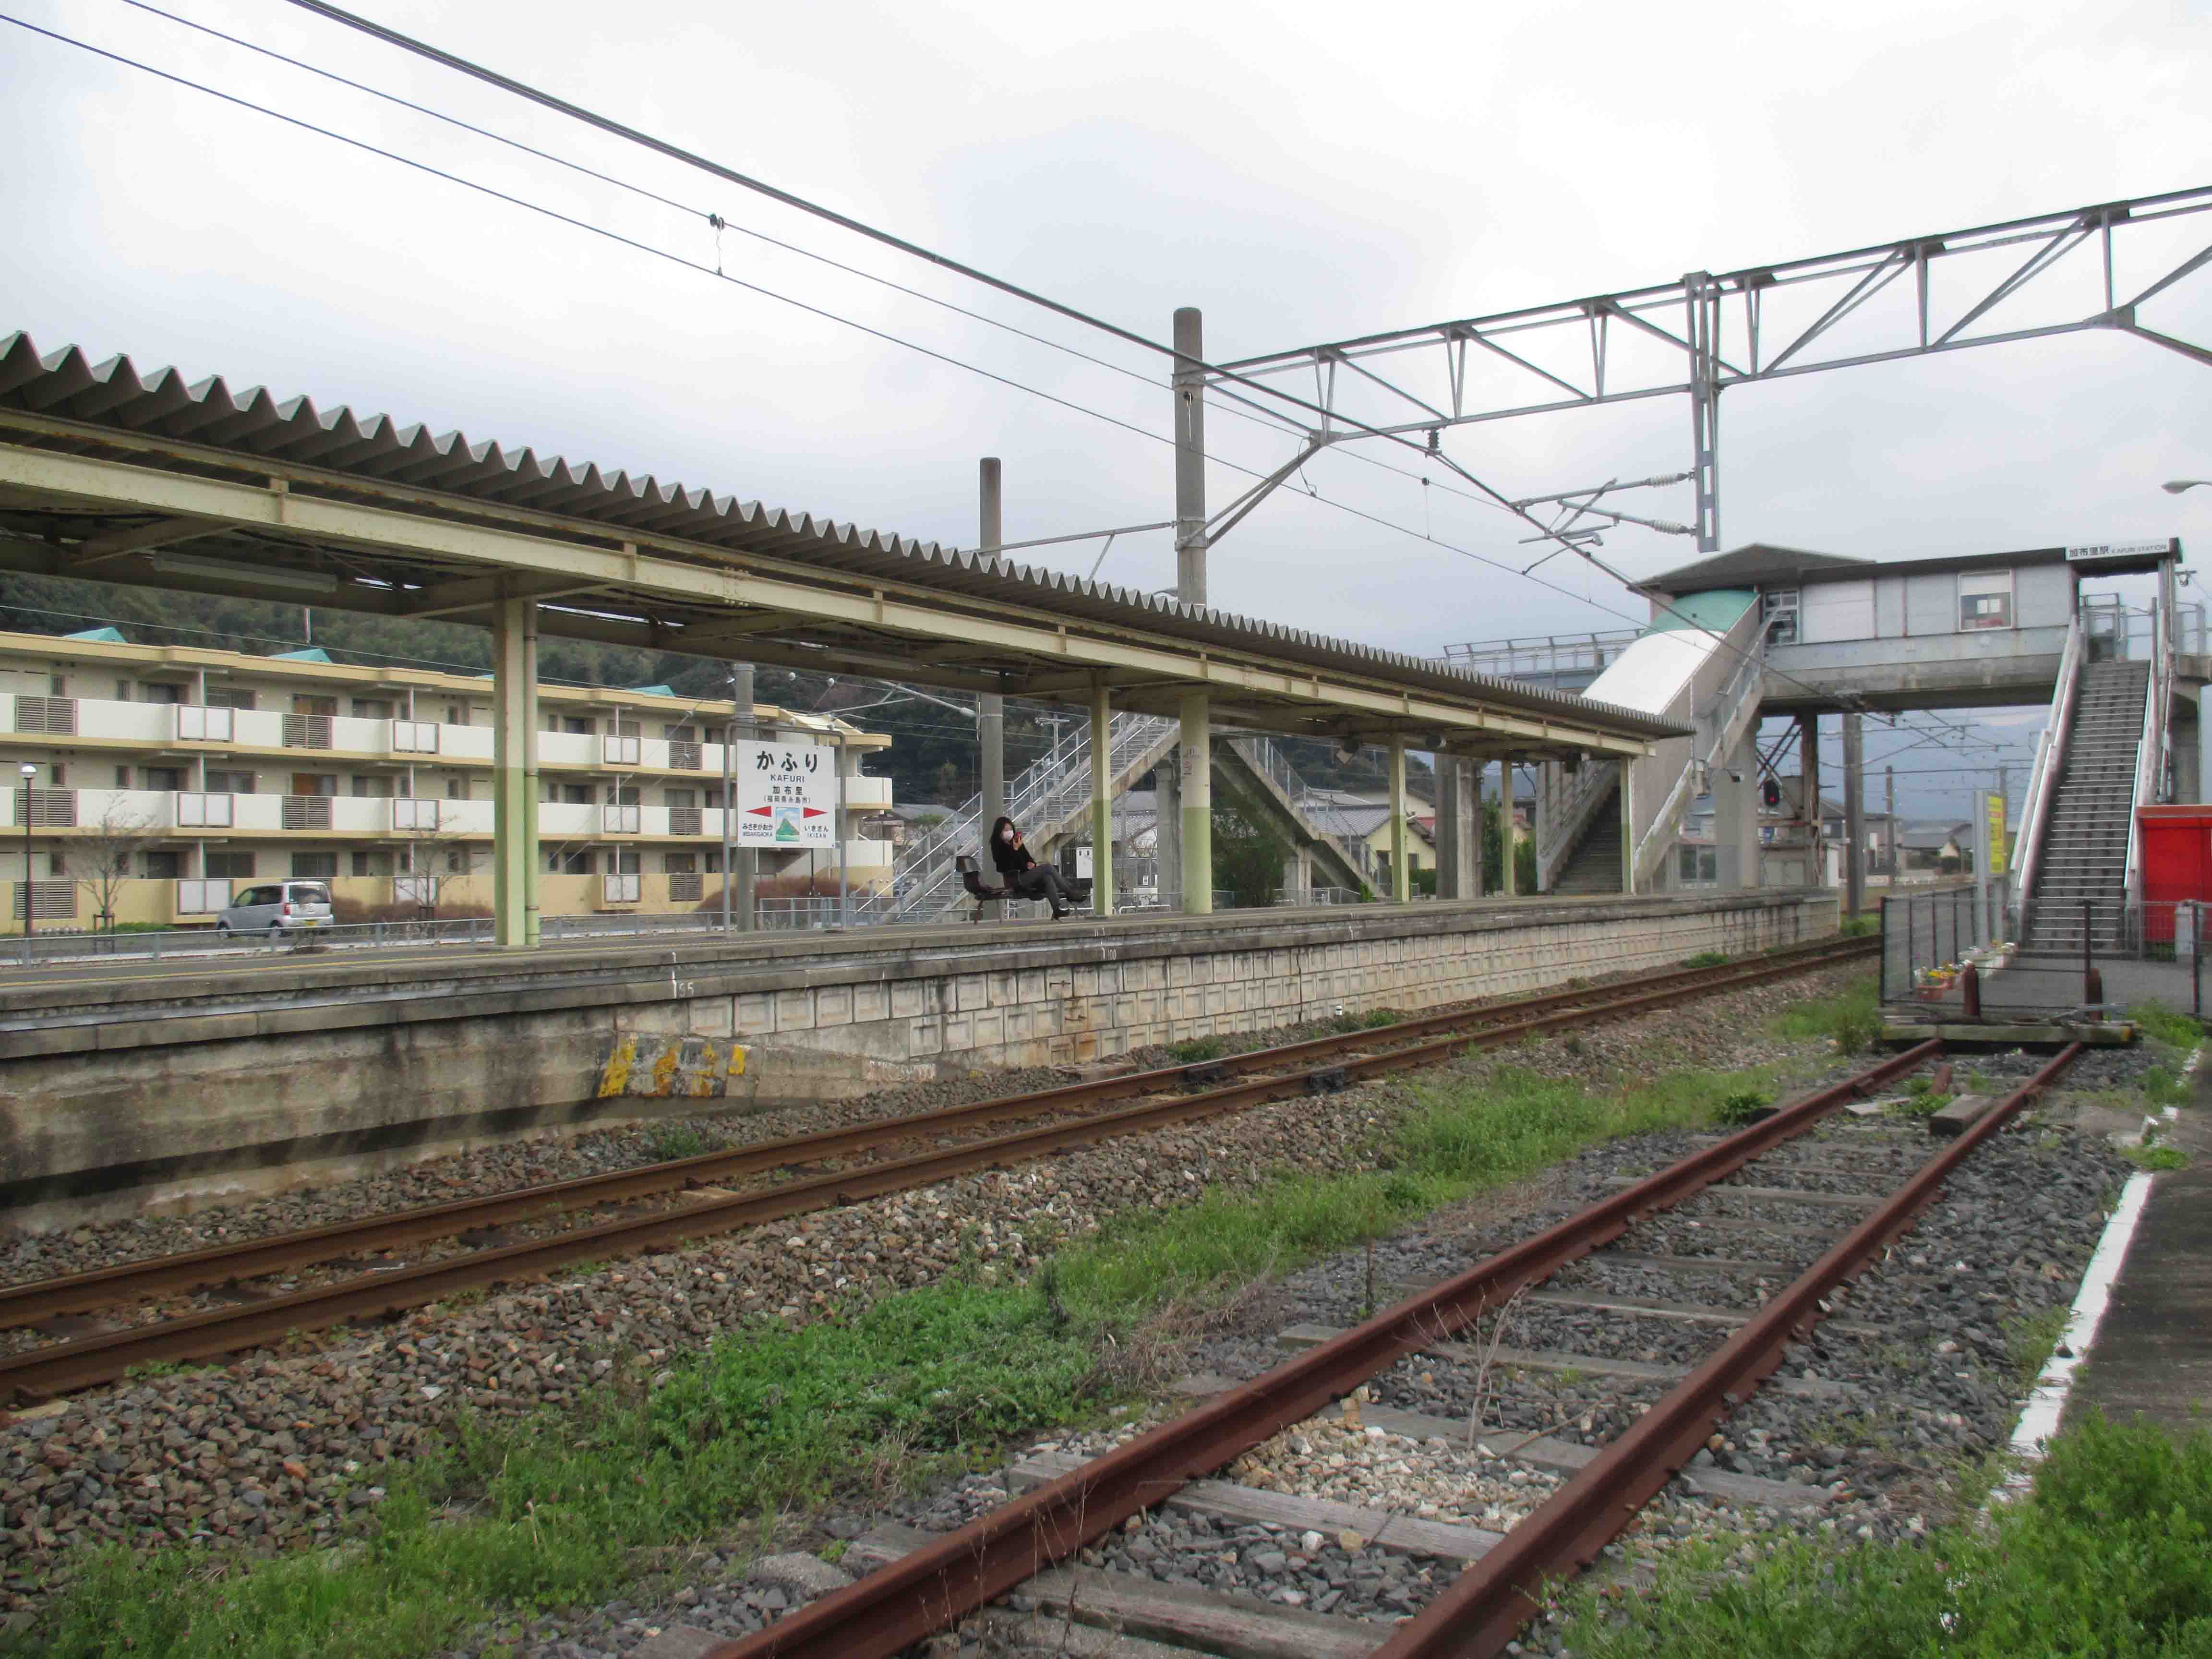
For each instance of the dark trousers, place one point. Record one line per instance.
(1041, 881)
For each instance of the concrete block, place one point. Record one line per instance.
(912, 998)
(971, 991)
(794, 1010)
(833, 1005)
(872, 1003)
(925, 1035)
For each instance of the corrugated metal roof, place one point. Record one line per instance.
(254, 422)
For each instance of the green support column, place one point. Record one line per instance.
(1401, 879)
(1197, 763)
(514, 774)
(1101, 800)
(1509, 835)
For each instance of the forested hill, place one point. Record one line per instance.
(934, 758)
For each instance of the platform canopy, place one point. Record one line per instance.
(115, 475)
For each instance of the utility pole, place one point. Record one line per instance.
(990, 707)
(1196, 754)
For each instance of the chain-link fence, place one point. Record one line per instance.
(1926, 938)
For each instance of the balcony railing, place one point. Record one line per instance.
(684, 756)
(619, 820)
(414, 737)
(46, 809)
(305, 813)
(198, 811)
(306, 731)
(411, 814)
(56, 715)
(627, 888)
(685, 887)
(683, 821)
(624, 749)
(195, 723)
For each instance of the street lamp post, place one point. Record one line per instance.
(30, 912)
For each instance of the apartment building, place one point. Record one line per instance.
(167, 778)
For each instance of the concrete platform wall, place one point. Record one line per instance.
(160, 1096)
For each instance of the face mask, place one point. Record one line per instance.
(1006, 834)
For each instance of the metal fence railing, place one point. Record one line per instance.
(1927, 938)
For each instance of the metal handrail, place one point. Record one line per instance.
(1563, 823)
(2043, 781)
(2150, 751)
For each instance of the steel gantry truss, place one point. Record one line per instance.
(1711, 332)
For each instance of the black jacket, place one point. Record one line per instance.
(1010, 860)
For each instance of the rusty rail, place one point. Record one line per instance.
(1487, 1604)
(106, 1287)
(906, 1600)
(61, 1367)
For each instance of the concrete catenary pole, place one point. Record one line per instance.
(1854, 819)
(990, 707)
(1195, 766)
(1889, 813)
(1808, 803)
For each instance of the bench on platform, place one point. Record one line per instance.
(971, 879)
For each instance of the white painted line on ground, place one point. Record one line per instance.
(2046, 1405)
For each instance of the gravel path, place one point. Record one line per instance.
(274, 1452)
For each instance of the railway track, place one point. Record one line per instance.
(921, 1583)
(1163, 1097)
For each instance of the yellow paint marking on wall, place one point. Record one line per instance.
(669, 1067)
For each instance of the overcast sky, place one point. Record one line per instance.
(1300, 173)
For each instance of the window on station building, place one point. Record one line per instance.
(1984, 600)
(1778, 611)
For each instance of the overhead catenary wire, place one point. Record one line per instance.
(708, 271)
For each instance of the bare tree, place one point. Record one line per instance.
(100, 860)
(436, 847)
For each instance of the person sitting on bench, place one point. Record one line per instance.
(1023, 874)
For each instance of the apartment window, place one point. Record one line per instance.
(229, 697)
(576, 727)
(313, 783)
(371, 708)
(304, 704)
(457, 713)
(1699, 864)
(457, 788)
(367, 786)
(1984, 600)
(576, 794)
(160, 777)
(122, 777)
(158, 691)
(58, 774)
(577, 861)
(683, 797)
(366, 862)
(164, 866)
(58, 685)
(230, 783)
(231, 865)
(318, 866)
(619, 794)
(680, 733)
(123, 690)
(457, 860)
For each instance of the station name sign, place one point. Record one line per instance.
(2099, 551)
(786, 794)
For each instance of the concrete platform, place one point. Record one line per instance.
(2154, 1352)
(123, 1092)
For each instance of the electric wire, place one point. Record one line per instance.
(574, 222)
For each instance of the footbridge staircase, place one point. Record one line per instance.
(1612, 826)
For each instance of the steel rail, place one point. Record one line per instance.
(186, 1271)
(61, 1367)
(1487, 1606)
(906, 1600)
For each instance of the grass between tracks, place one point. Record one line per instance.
(2107, 1556)
(517, 1519)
